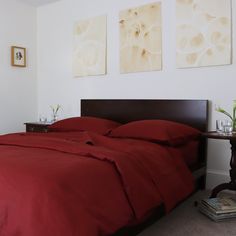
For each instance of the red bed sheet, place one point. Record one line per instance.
(81, 183)
(188, 152)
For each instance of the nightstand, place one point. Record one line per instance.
(232, 139)
(37, 127)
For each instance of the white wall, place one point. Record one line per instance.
(57, 85)
(18, 102)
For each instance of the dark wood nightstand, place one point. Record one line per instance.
(232, 139)
(37, 127)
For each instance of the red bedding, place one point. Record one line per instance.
(188, 152)
(81, 183)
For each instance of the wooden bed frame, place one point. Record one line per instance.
(190, 112)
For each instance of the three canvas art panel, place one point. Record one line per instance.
(203, 38)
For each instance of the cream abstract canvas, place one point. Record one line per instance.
(90, 47)
(203, 33)
(141, 39)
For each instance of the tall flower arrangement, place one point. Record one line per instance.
(232, 117)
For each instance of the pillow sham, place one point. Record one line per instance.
(85, 123)
(161, 131)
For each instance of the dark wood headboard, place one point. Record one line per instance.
(190, 112)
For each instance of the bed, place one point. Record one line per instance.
(88, 183)
(191, 112)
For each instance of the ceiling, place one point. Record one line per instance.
(38, 2)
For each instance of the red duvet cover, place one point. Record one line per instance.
(84, 184)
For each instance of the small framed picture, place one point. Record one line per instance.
(18, 56)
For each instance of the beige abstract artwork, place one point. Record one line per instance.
(203, 33)
(141, 39)
(89, 56)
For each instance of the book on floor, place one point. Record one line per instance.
(216, 217)
(220, 205)
(218, 208)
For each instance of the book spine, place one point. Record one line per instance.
(216, 217)
(218, 210)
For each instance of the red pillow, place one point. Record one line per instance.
(161, 131)
(97, 125)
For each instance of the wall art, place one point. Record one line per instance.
(18, 56)
(89, 54)
(141, 38)
(203, 33)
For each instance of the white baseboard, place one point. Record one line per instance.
(216, 177)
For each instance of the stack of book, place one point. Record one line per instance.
(218, 209)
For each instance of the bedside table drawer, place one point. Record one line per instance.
(37, 127)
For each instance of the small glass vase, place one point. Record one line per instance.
(54, 117)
